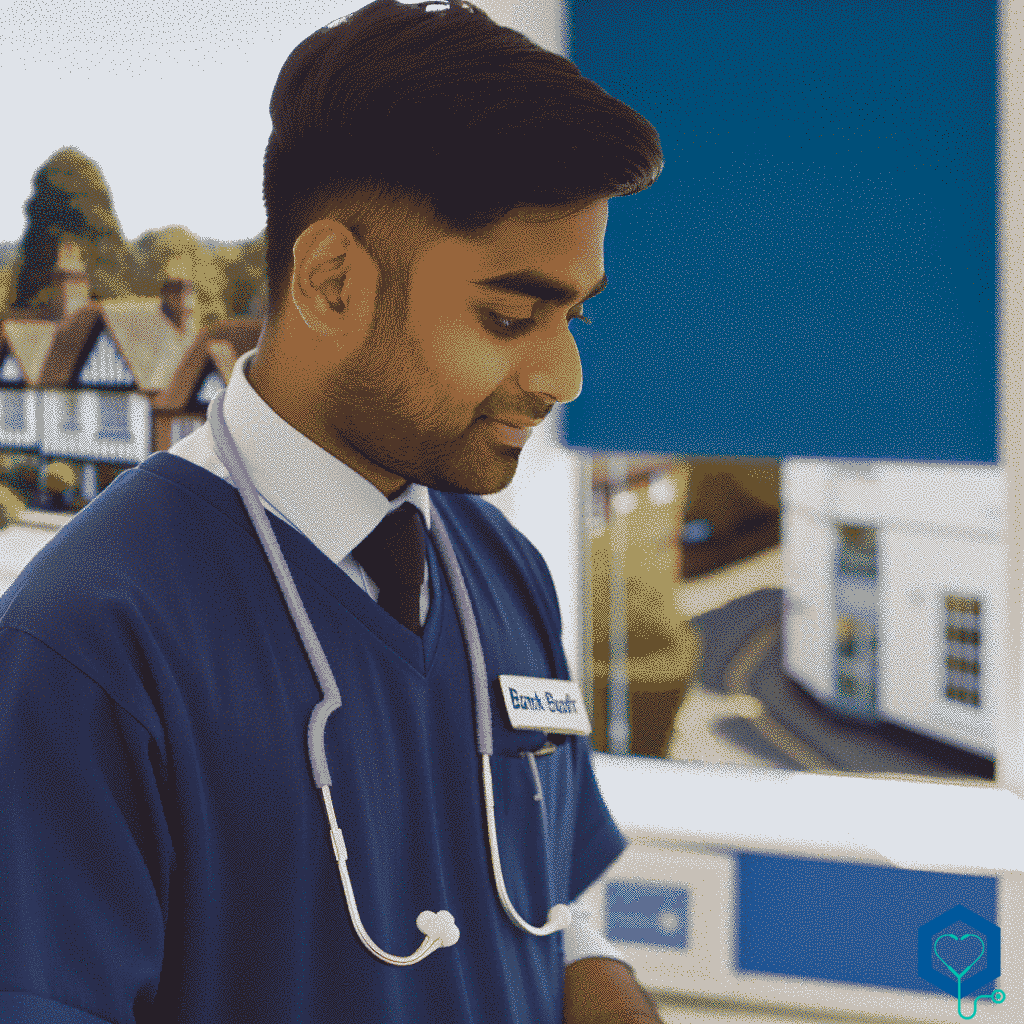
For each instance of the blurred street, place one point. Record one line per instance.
(743, 709)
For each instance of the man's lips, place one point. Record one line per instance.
(511, 432)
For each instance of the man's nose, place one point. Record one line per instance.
(553, 368)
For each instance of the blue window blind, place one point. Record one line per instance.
(814, 272)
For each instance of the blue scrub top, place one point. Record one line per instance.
(165, 854)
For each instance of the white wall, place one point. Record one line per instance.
(84, 443)
(543, 21)
(1010, 320)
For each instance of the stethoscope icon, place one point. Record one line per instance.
(997, 996)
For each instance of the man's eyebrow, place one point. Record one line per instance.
(540, 286)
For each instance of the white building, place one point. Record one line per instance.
(895, 574)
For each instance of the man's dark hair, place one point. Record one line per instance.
(402, 122)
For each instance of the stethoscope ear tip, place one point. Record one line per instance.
(440, 926)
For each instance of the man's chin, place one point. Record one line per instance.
(497, 477)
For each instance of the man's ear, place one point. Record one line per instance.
(334, 280)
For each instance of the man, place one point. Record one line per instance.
(165, 853)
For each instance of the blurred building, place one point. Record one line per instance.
(95, 387)
(735, 507)
(732, 513)
(895, 576)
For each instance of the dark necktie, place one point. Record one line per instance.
(393, 557)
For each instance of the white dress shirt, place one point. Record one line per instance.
(337, 509)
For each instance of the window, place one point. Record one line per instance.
(856, 602)
(963, 636)
(71, 424)
(114, 417)
(13, 409)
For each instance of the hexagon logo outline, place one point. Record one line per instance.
(948, 983)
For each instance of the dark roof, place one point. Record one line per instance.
(29, 342)
(150, 344)
(223, 343)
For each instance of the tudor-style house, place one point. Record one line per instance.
(100, 385)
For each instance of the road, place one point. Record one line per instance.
(744, 709)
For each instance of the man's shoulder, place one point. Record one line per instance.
(131, 533)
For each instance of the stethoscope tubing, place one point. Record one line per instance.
(440, 928)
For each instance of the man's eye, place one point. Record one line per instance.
(508, 325)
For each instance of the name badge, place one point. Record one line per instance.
(550, 705)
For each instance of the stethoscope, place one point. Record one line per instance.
(440, 928)
(997, 995)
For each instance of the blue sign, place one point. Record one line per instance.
(648, 912)
(814, 272)
(855, 924)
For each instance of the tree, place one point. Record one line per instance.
(245, 270)
(70, 197)
(174, 251)
(70, 200)
(8, 272)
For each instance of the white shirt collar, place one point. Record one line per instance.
(322, 497)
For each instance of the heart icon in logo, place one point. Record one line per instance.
(959, 938)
